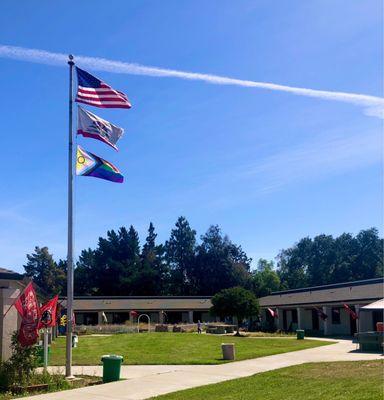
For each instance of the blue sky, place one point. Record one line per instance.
(269, 167)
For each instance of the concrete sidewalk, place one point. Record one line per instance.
(144, 381)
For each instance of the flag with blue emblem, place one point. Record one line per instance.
(91, 126)
(93, 91)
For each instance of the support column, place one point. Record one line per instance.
(299, 318)
(190, 317)
(100, 318)
(326, 322)
(161, 317)
(280, 319)
(357, 310)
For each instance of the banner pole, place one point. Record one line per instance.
(45, 344)
(68, 361)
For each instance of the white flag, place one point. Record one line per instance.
(92, 126)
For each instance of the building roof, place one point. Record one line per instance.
(364, 291)
(11, 275)
(377, 305)
(141, 303)
(331, 286)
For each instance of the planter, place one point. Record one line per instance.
(161, 328)
(30, 388)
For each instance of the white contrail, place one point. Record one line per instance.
(374, 106)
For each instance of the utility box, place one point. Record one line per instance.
(300, 334)
(75, 340)
(228, 350)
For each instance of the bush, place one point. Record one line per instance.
(19, 368)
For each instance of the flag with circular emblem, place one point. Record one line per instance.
(89, 164)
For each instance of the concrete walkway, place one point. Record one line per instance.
(145, 381)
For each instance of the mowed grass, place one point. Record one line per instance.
(354, 380)
(173, 348)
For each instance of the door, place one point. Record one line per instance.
(353, 322)
(377, 316)
(284, 320)
(315, 320)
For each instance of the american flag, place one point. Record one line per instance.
(94, 92)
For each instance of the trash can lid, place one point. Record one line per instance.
(111, 357)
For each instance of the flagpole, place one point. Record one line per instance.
(68, 363)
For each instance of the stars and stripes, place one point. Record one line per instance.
(94, 92)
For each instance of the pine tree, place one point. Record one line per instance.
(45, 272)
(180, 253)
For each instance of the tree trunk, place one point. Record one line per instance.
(237, 329)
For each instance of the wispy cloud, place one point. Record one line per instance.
(13, 215)
(373, 106)
(316, 159)
(325, 156)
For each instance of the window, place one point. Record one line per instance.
(335, 315)
(294, 316)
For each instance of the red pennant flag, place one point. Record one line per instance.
(321, 314)
(28, 308)
(273, 313)
(350, 312)
(48, 313)
(134, 313)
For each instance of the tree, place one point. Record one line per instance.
(265, 279)
(370, 257)
(219, 264)
(235, 302)
(45, 272)
(180, 254)
(84, 274)
(325, 259)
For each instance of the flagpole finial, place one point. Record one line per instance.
(70, 59)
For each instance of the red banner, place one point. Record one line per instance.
(48, 313)
(350, 311)
(273, 313)
(28, 308)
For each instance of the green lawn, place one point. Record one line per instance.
(355, 380)
(172, 348)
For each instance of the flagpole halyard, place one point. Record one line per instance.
(68, 363)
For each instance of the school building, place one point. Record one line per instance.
(92, 310)
(304, 308)
(327, 310)
(11, 286)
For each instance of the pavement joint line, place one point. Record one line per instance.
(154, 380)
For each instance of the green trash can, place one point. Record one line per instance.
(300, 334)
(111, 367)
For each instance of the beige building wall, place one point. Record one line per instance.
(10, 323)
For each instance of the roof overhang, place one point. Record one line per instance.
(377, 305)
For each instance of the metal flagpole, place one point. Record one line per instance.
(68, 362)
(45, 347)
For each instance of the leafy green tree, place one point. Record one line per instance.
(324, 259)
(180, 255)
(219, 264)
(370, 256)
(45, 272)
(235, 302)
(293, 263)
(265, 279)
